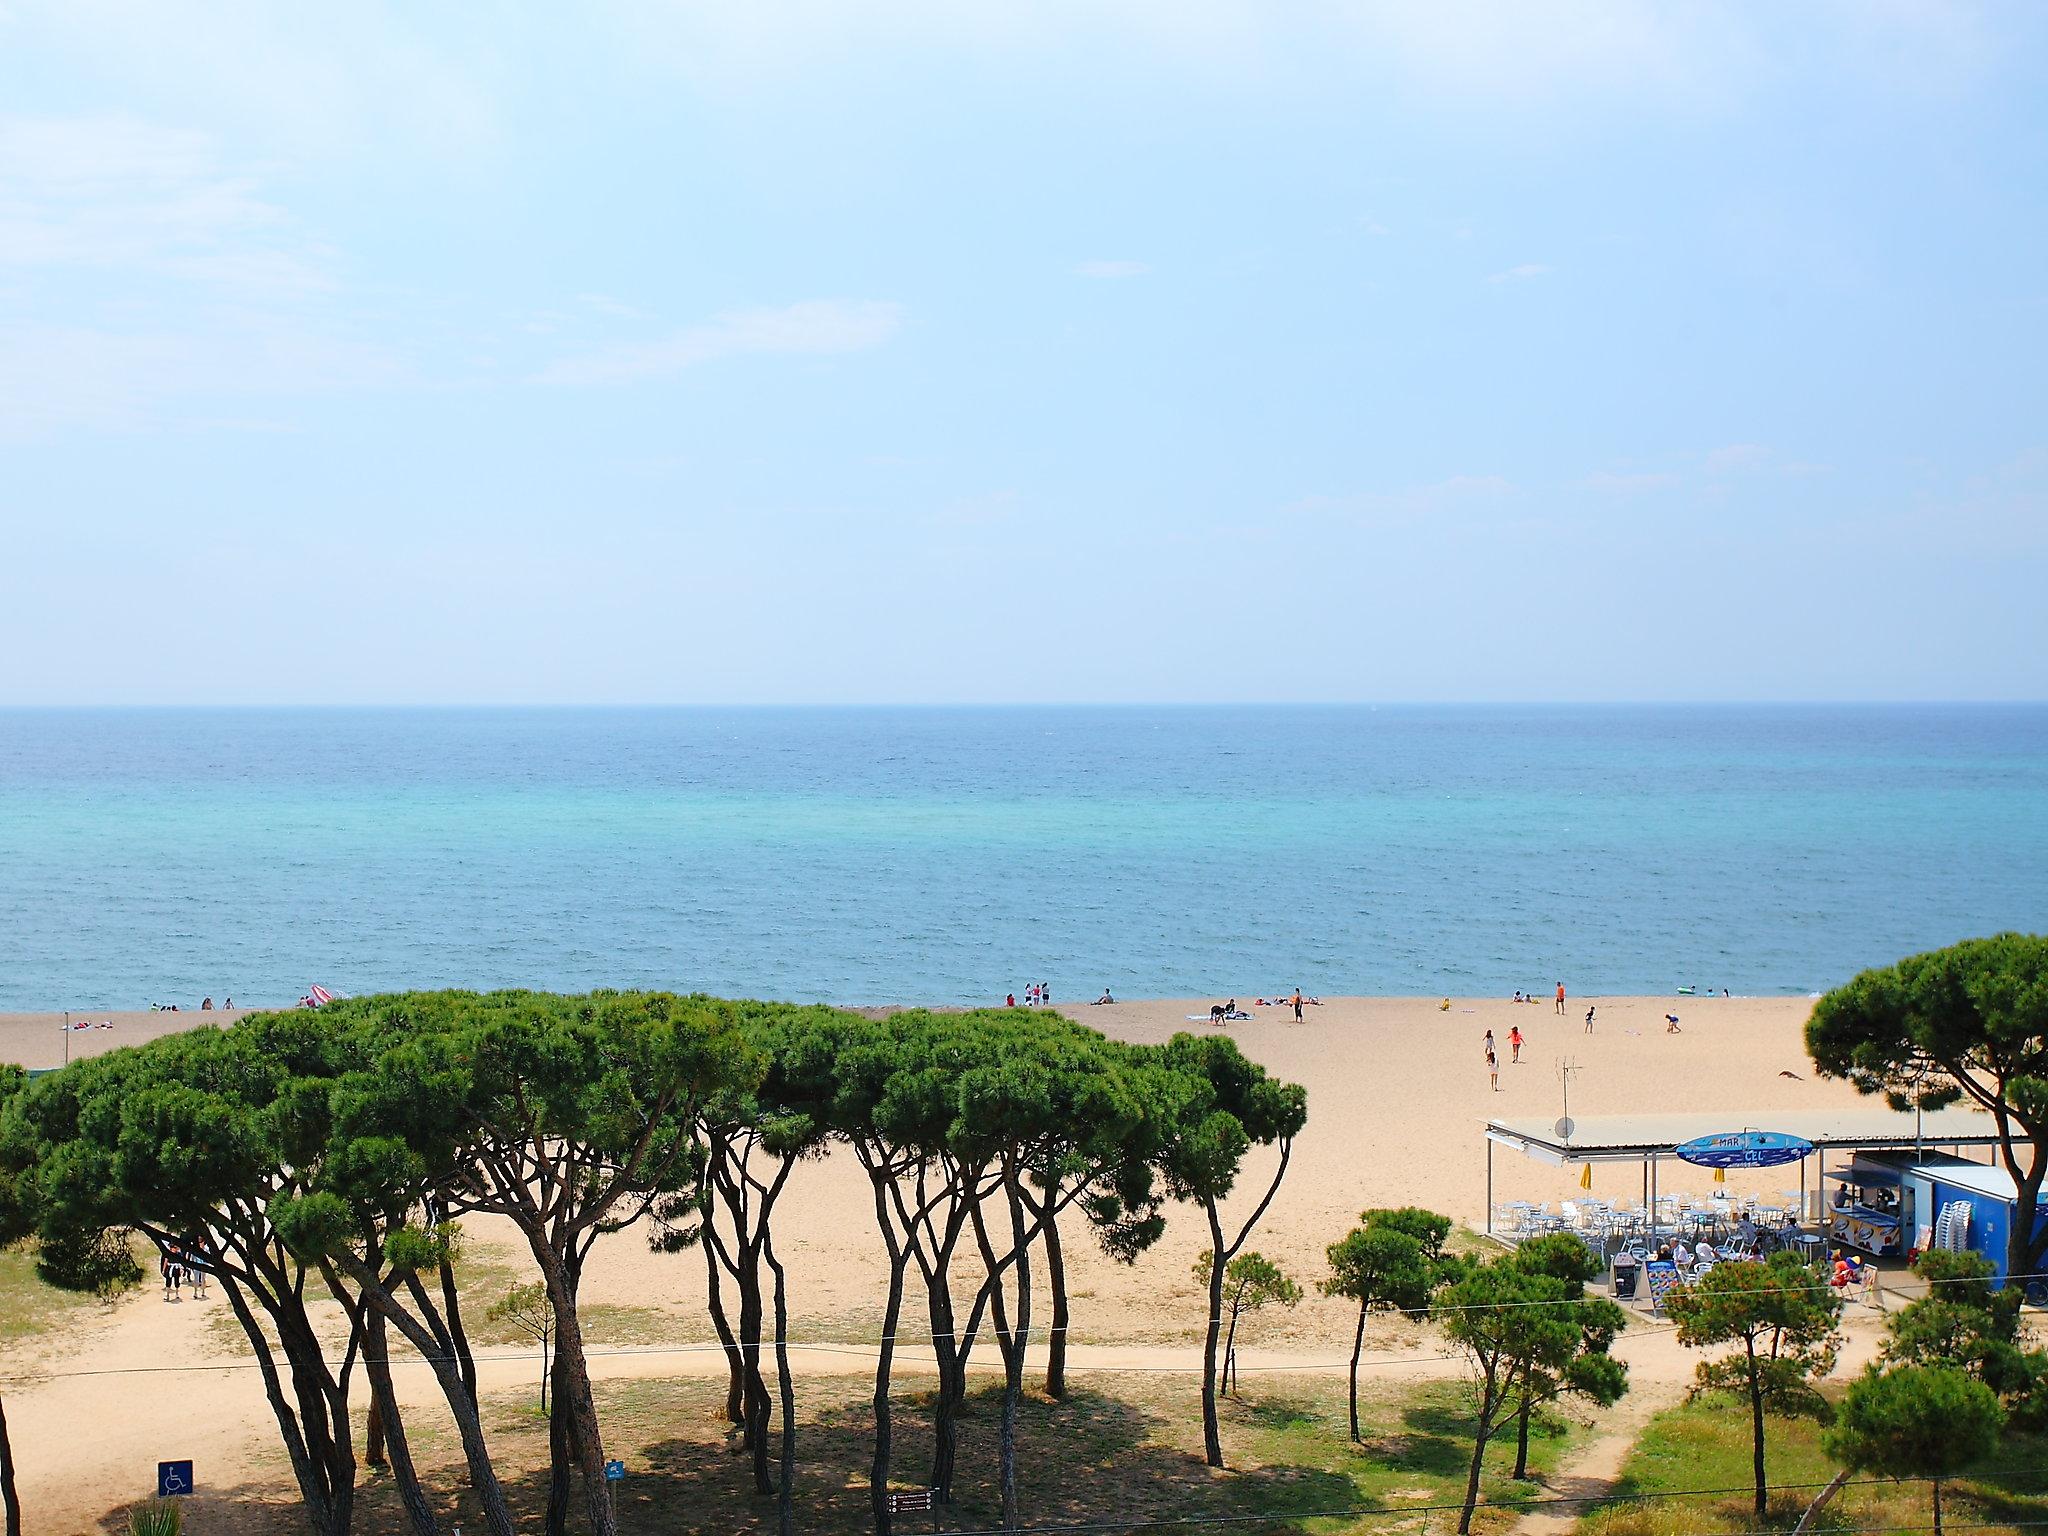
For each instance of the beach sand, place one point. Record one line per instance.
(1397, 1091)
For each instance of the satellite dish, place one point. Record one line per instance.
(1564, 1128)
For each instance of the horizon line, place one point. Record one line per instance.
(480, 705)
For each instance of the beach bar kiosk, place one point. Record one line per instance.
(1899, 1203)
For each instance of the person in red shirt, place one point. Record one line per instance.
(1515, 1042)
(1560, 997)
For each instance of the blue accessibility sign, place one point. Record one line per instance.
(615, 1471)
(173, 1479)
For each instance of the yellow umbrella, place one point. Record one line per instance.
(1586, 1178)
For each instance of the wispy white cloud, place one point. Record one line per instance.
(1611, 483)
(114, 194)
(1111, 269)
(1521, 274)
(56, 376)
(1409, 504)
(1737, 456)
(605, 304)
(816, 328)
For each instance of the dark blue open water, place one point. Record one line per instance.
(876, 855)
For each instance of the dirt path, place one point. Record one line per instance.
(1593, 1469)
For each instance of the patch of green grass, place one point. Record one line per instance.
(29, 1308)
(1706, 1445)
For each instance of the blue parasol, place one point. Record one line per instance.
(1745, 1149)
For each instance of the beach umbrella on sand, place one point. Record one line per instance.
(316, 996)
(1744, 1149)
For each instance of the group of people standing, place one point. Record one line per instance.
(177, 1267)
(1493, 1057)
(1036, 995)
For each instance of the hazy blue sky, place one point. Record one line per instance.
(921, 350)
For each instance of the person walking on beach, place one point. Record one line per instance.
(1589, 1021)
(1492, 1065)
(1487, 1045)
(1560, 997)
(1297, 1003)
(1515, 1043)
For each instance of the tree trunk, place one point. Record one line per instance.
(1522, 1435)
(785, 1487)
(754, 1401)
(1056, 1277)
(429, 1336)
(1212, 1434)
(458, 1335)
(574, 1394)
(384, 1412)
(735, 1362)
(1821, 1502)
(2024, 1247)
(1478, 1466)
(1756, 1428)
(878, 1471)
(326, 1477)
(1230, 1349)
(559, 1460)
(1937, 1507)
(1357, 1349)
(373, 1435)
(1013, 1394)
(10, 1499)
(1014, 1339)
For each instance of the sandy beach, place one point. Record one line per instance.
(1398, 1094)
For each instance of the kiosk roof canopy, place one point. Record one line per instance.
(1614, 1138)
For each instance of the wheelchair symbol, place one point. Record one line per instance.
(173, 1479)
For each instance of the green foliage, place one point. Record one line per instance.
(1251, 1281)
(1781, 1312)
(1517, 1325)
(1228, 1105)
(1929, 1421)
(1378, 1266)
(297, 1151)
(1429, 1229)
(526, 1308)
(1783, 1316)
(1969, 1022)
(159, 1517)
(1963, 1323)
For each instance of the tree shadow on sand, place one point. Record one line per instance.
(1093, 1458)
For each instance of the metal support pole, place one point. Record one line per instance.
(1489, 1186)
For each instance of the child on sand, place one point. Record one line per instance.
(1515, 1043)
(1492, 1065)
(1589, 1021)
(1671, 1024)
(1560, 997)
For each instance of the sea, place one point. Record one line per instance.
(955, 855)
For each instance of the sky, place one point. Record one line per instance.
(911, 351)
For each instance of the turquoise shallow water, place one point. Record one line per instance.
(945, 855)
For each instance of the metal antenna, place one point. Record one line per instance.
(1566, 1066)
